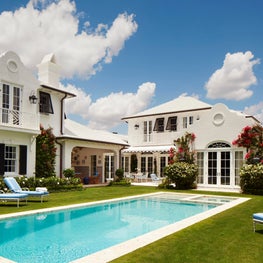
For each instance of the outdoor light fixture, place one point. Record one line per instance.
(33, 99)
(136, 126)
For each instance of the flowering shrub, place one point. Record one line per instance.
(185, 149)
(251, 138)
(181, 170)
(51, 183)
(251, 178)
(45, 153)
(182, 174)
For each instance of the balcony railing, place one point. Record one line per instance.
(18, 119)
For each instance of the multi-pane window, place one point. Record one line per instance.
(172, 124)
(11, 103)
(10, 159)
(147, 131)
(93, 164)
(200, 165)
(191, 120)
(159, 125)
(143, 164)
(184, 122)
(162, 165)
(150, 165)
(45, 104)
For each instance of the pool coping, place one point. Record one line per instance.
(128, 246)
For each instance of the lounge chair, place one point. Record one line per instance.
(13, 197)
(15, 188)
(257, 219)
(155, 178)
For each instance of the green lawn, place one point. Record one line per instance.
(226, 237)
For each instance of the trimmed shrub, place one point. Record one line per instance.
(182, 174)
(251, 179)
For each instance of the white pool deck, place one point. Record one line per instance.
(121, 249)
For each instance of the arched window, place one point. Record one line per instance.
(219, 145)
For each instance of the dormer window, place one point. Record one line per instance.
(172, 124)
(159, 125)
(45, 105)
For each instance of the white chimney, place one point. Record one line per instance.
(49, 71)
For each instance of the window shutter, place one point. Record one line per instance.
(22, 159)
(2, 159)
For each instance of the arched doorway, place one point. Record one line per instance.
(219, 163)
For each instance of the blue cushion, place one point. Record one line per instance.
(258, 216)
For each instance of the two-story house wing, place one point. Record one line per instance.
(94, 154)
(19, 122)
(28, 102)
(152, 133)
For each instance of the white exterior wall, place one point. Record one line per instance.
(16, 139)
(215, 125)
(13, 72)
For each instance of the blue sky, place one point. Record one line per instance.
(123, 56)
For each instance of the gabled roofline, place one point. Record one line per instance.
(158, 114)
(71, 95)
(254, 118)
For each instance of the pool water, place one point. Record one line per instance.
(63, 236)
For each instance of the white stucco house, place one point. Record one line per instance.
(152, 133)
(26, 102)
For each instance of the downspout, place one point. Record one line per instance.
(61, 132)
(62, 114)
(60, 158)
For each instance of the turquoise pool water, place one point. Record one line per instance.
(63, 236)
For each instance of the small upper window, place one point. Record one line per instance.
(191, 120)
(159, 125)
(184, 122)
(172, 124)
(45, 105)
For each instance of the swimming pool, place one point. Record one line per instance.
(73, 233)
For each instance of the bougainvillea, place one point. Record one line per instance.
(45, 153)
(251, 138)
(185, 149)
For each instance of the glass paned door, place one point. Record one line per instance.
(219, 167)
(225, 168)
(212, 167)
(109, 167)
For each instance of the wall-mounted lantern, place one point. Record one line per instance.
(33, 99)
(136, 126)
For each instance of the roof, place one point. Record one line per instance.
(180, 104)
(77, 131)
(60, 90)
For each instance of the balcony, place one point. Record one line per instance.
(18, 119)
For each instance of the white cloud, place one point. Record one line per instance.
(234, 79)
(106, 113)
(45, 26)
(256, 111)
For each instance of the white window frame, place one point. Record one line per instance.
(10, 158)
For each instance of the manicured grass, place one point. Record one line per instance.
(226, 237)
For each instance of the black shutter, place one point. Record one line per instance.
(2, 159)
(22, 159)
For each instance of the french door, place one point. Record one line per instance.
(109, 167)
(219, 167)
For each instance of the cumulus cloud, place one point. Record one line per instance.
(256, 111)
(54, 27)
(106, 113)
(234, 79)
